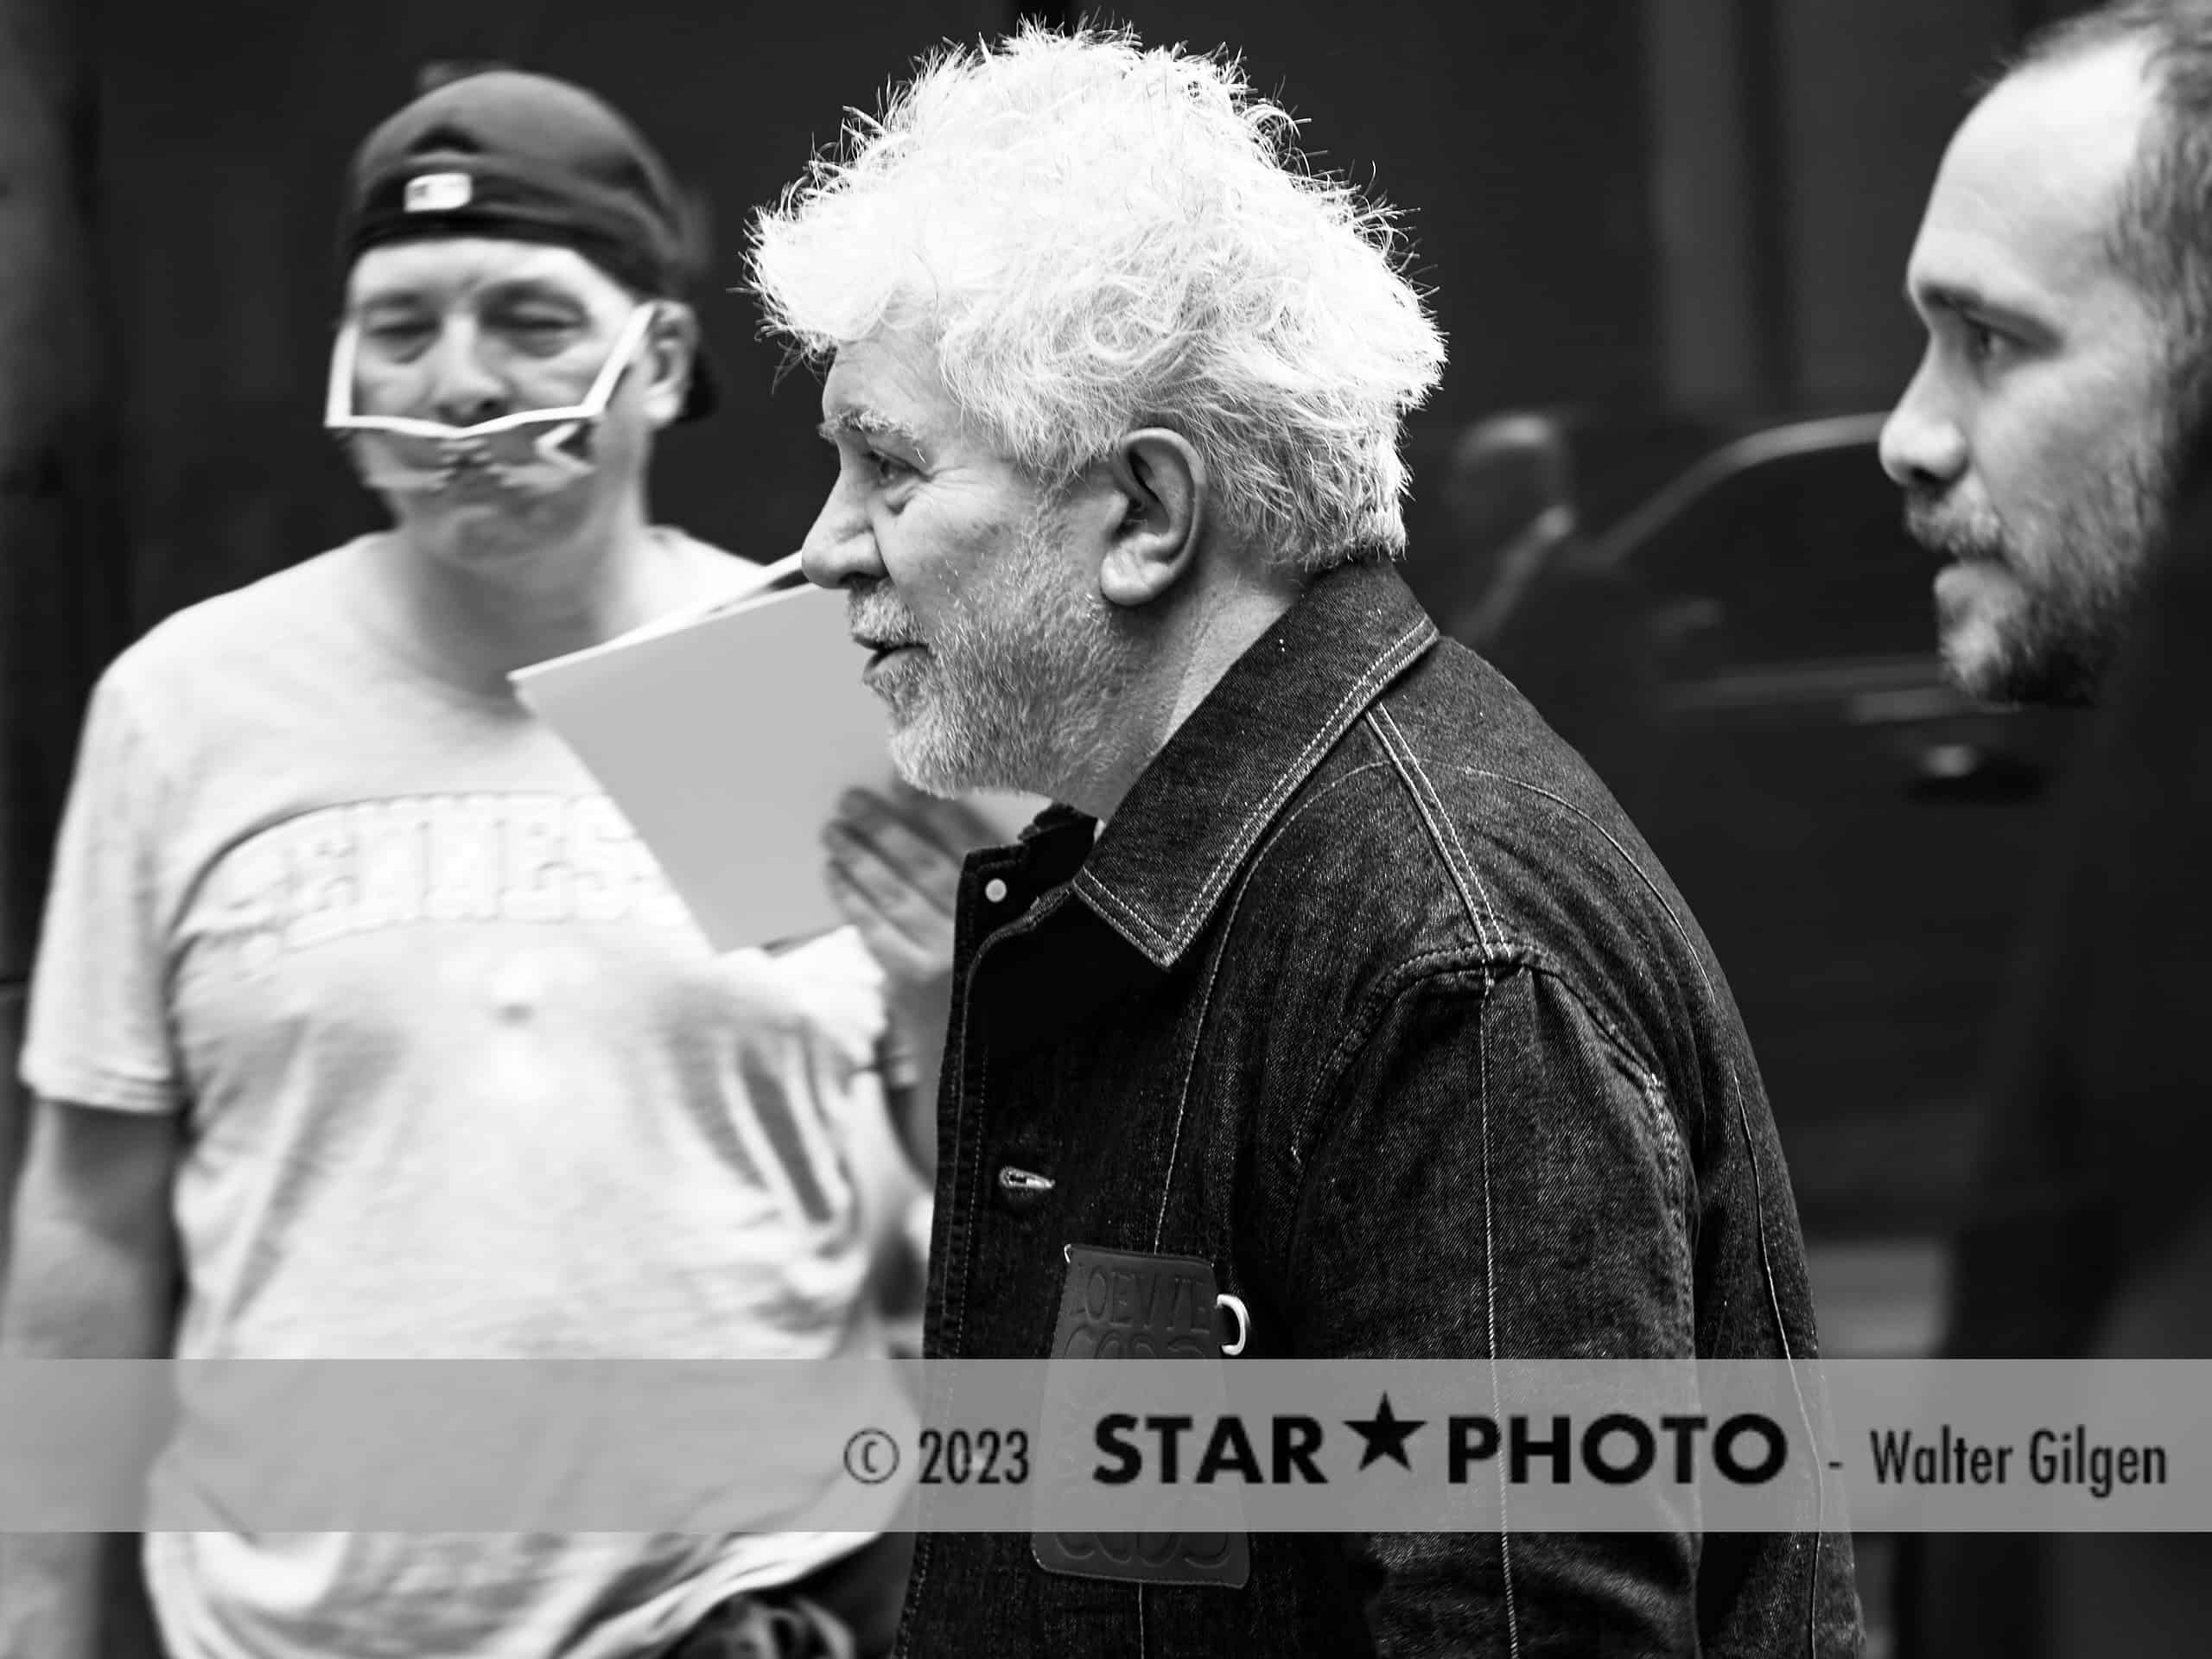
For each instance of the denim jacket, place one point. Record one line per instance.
(1370, 995)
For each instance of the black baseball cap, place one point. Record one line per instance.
(524, 157)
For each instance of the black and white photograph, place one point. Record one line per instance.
(740, 740)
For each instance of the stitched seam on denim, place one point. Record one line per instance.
(1387, 665)
(1414, 971)
(953, 1065)
(1622, 1051)
(1221, 954)
(1538, 960)
(1384, 991)
(1141, 933)
(1440, 828)
(917, 1575)
(924, 1548)
(1669, 1135)
(955, 1298)
(1409, 978)
(1735, 1081)
(1489, 1312)
(1191, 1064)
(972, 1174)
(1023, 925)
(910, 1609)
(1259, 859)
(1627, 857)
(1742, 1122)
(1266, 850)
(1672, 1153)
(1674, 1164)
(1484, 968)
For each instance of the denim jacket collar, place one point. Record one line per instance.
(1197, 810)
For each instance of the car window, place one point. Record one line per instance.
(1801, 559)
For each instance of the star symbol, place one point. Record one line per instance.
(1385, 1435)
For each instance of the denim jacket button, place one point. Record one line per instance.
(1023, 1189)
(995, 890)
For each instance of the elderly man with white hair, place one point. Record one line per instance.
(1337, 984)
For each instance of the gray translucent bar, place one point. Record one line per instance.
(1256, 1445)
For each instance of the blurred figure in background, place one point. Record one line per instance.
(363, 1025)
(1524, 592)
(1509, 489)
(2062, 271)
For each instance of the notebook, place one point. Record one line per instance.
(725, 734)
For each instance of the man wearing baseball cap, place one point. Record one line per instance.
(364, 1027)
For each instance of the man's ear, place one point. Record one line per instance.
(1164, 489)
(672, 347)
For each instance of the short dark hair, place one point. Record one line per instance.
(2161, 233)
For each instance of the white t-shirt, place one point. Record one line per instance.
(461, 1079)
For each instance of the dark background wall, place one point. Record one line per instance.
(1511, 134)
(1621, 204)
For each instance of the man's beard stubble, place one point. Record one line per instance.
(1015, 686)
(2053, 645)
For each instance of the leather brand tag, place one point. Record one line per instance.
(1126, 1305)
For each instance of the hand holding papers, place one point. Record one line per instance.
(726, 734)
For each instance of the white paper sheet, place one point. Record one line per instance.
(725, 738)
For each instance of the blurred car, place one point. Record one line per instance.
(1859, 840)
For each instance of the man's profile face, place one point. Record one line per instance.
(2034, 444)
(461, 331)
(989, 639)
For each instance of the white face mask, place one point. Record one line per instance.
(534, 451)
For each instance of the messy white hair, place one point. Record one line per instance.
(1094, 237)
